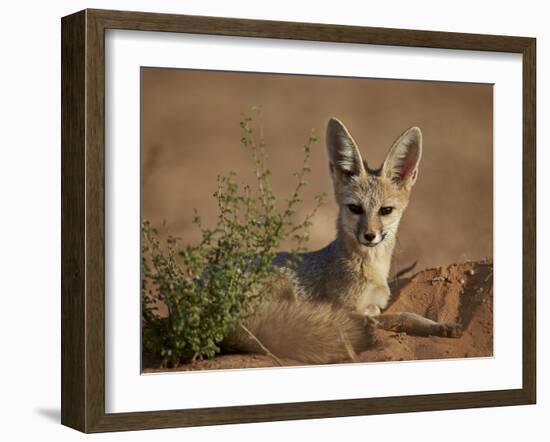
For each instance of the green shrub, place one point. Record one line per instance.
(213, 286)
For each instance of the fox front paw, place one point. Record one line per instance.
(450, 330)
(372, 310)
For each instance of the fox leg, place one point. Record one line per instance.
(371, 310)
(416, 325)
(374, 300)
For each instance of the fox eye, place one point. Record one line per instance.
(385, 210)
(354, 208)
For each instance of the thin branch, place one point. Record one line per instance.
(349, 348)
(262, 346)
(404, 271)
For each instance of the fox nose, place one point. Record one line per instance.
(369, 236)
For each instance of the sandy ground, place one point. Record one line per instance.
(461, 293)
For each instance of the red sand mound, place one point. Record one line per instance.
(461, 293)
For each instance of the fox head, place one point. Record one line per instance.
(371, 201)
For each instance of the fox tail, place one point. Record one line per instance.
(308, 332)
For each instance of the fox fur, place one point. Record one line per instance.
(324, 308)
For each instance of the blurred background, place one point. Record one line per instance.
(190, 134)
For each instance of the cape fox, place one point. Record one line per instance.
(325, 306)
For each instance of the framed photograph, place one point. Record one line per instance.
(269, 220)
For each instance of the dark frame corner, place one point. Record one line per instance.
(83, 215)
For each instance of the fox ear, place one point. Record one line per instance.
(401, 163)
(345, 159)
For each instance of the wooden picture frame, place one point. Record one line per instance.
(83, 220)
